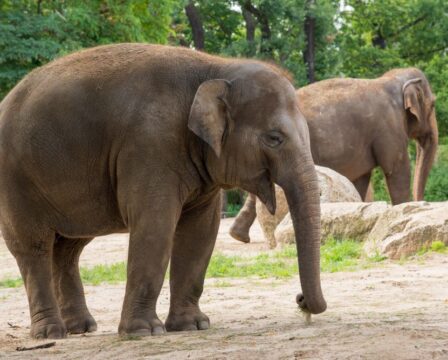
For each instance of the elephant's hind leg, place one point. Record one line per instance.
(68, 285)
(193, 246)
(362, 185)
(33, 253)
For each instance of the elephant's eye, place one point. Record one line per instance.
(272, 139)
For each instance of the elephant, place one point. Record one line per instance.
(140, 138)
(356, 125)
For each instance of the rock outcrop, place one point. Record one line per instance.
(404, 229)
(347, 220)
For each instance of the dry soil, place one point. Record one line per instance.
(394, 311)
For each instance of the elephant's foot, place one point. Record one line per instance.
(141, 327)
(48, 328)
(240, 230)
(187, 320)
(79, 323)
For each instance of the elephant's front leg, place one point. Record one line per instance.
(398, 179)
(151, 236)
(193, 246)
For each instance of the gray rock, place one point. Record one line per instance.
(404, 229)
(347, 220)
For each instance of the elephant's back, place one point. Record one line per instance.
(341, 114)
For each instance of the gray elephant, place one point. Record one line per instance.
(140, 138)
(358, 124)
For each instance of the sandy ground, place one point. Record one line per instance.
(390, 312)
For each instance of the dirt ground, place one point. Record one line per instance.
(390, 312)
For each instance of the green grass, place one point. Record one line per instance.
(436, 246)
(263, 266)
(11, 283)
(336, 255)
(98, 274)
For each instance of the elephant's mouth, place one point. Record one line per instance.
(266, 191)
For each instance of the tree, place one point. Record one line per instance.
(310, 28)
(33, 33)
(196, 25)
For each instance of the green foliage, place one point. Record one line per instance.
(379, 186)
(30, 38)
(437, 185)
(233, 209)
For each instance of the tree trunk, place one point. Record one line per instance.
(250, 31)
(308, 55)
(263, 21)
(39, 7)
(197, 28)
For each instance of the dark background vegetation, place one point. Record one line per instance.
(313, 39)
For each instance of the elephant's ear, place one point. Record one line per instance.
(209, 111)
(413, 98)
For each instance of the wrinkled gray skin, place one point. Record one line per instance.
(356, 125)
(140, 138)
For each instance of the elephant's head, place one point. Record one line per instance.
(419, 102)
(256, 137)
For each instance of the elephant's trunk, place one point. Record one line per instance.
(302, 193)
(426, 153)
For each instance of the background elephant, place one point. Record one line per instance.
(139, 138)
(357, 124)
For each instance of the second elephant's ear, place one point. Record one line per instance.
(413, 98)
(209, 111)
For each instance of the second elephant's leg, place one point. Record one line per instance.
(362, 185)
(246, 217)
(399, 182)
(68, 286)
(193, 245)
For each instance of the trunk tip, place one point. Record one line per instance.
(316, 308)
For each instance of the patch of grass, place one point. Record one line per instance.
(11, 283)
(263, 265)
(98, 274)
(130, 338)
(336, 255)
(377, 258)
(340, 255)
(436, 246)
(222, 284)
(288, 252)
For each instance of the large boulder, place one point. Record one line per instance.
(404, 229)
(347, 220)
(333, 188)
